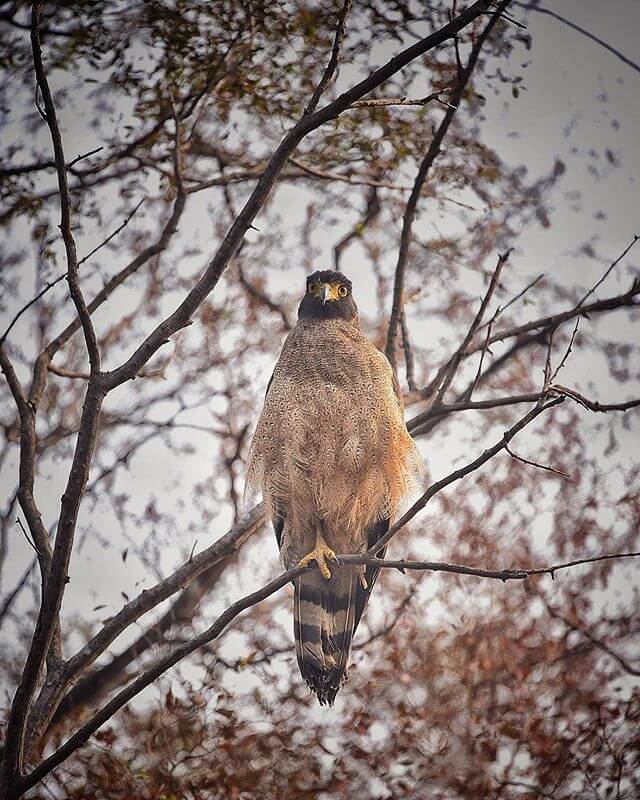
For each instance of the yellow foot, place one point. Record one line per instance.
(320, 554)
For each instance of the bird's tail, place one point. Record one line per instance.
(324, 620)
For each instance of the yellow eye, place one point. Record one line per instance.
(342, 290)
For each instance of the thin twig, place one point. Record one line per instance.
(425, 166)
(593, 405)
(583, 31)
(63, 275)
(567, 352)
(9, 599)
(330, 74)
(547, 360)
(65, 197)
(383, 102)
(408, 352)
(611, 267)
(469, 394)
(82, 156)
(26, 536)
(512, 20)
(535, 463)
(501, 309)
(31, 302)
(454, 362)
(121, 227)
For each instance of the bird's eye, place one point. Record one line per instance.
(342, 290)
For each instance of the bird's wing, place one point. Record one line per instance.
(278, 517)
(374, 533)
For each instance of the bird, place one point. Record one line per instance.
(334, 460)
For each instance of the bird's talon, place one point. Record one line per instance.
(320, 554)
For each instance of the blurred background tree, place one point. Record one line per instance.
(170, 113)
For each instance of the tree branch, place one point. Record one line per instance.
(478, 572)
(384, 102)
(462, 471)
(65, 198)
(552, 321)
(536, 464)
(330, 73)
(452, 365)
(57, 684)
(63, 275)
(583, 31)
(423, 171)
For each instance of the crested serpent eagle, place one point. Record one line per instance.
(333, 458)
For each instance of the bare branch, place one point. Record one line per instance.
(65, 198)
(482, 459)
(26, 169)
(535, 464)
(383, 102)
(497, 574)
(330, 72)
(608, 271)
(552, 321)
(454, 362)
(501, 309)
(31, 302)
(567, 353)
(148, 599)
(408, 352)
(63, 275)
(468, 395)
(423, 171)
(9, 599)
(28, 439)
(583, 31)
(416, 425)
(112, 235)
(469, 405)
(26, 536)
(593, 405)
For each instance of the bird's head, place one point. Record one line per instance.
(328, 296)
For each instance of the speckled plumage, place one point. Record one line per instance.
(332, 455)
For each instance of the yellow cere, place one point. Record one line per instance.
(336, 290)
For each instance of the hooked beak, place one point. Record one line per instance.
(326, 292)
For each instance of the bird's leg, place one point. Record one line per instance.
(321, 553)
